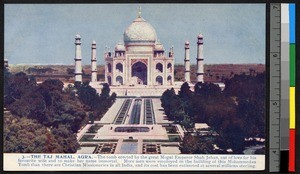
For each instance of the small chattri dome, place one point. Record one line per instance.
(159, 46)
(120, 47)
(200, 36)
(77, 36)
(94, 42)
(187, 42)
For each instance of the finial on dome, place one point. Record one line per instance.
(200, 35)
(140, 12)
(77, 36)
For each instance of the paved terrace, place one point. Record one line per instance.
(138, 90)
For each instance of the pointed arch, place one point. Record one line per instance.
(139, 72)
(119, 67)
(119, 80)
(169, 67)
(159, 80)
(159, 67)
(169, 80)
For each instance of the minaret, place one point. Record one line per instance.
(94, 63)
(140, 12)
(6, 63)
(187, 62)
(200, 68)
(78, 68)
(171, 52)
(105, 69)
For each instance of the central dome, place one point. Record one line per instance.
(140, 32)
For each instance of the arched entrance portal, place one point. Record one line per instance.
(139, 73)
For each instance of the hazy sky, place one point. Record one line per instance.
(44, 33)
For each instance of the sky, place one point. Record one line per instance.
(44, 33)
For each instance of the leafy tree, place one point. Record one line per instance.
(77, 84)
(66, 139)
(189, 144)
(233, 132)
(207, 89)
(91, 118)
(185, 95)
(23, 135)
(88, 95)
(52, 85)
(172, 105)
(105, 92)
(165, 100)
(236, 113)
(32, 105)
(187, 122)
(18, 85)
(46, 117)
(194, 144)
(113, 97)
(185, 92)
(94, 102)
(251, 101)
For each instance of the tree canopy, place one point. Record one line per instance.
(236, 113)
(45, 117)
(23, 135)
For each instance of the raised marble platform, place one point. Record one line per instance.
(138, 90)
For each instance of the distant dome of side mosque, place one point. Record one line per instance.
(139, 32)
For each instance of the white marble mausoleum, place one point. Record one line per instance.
(139, 66)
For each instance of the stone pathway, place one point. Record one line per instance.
(111, 114)
(152, 134)
(159, 113)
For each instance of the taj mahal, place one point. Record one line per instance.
(140, 65)
(138, 70)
